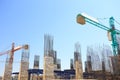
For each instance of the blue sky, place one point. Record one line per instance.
(26, 22)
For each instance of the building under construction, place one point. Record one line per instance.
(105, 67)
(99, 64)
(101, 71)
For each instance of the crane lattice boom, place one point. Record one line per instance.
(8, 51)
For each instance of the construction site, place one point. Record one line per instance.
(101, 63)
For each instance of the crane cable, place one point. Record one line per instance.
(107, 18)
(101, 19)
(117, 22)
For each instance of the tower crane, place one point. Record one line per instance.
(83, 18)
(11, 52)
(9, 61)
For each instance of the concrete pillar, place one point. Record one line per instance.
(9, 64)
(48, 72)
(7, 72)
(78, 70)
(24, 66)
(23, 74)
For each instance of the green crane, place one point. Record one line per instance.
(83, 18)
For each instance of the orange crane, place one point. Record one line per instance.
(15, 49)
(11, 52)
(9, 61)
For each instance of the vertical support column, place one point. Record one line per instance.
(58, 64)
(36, 62)
(89, 64)
(78, 62)
(36, 66)
(78, 70)
(9, 65)
(29, 75)
(24, 66)
(71, 64)
(7, 72)
(48, 72)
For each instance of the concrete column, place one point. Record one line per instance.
(7, 72)
(48, 72)
(23, 74)
(78, 70)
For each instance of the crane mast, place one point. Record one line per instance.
(113, 36)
